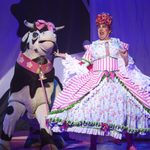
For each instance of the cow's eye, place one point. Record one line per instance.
(35, 35)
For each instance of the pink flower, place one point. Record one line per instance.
(64, 126)
(104, 127)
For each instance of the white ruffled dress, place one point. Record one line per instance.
(107, 99)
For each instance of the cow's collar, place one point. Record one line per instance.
(32, 66)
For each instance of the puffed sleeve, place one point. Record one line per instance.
(123, 46)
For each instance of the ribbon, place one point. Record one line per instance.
(64, 126)
(109, 75)
(104, 127)
(40, 24)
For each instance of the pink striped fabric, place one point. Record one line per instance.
(81, 85)
(107, 63)
(76, 88)
(124, 46)
(137, 91)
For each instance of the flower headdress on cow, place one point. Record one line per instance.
(36, 29)
(104, 18)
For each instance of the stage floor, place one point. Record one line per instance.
(103, 144)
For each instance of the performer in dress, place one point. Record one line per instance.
(103, 99)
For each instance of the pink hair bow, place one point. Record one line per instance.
(40, 24)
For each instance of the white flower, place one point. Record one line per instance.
(29, 64)
(21, 60)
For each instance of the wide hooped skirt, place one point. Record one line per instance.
(101, 103)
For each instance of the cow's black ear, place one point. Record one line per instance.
(55, 49)
(24, 45)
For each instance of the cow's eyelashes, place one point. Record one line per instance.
(42, 41)
(36, 50)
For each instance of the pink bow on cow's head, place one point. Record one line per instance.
(40, 24)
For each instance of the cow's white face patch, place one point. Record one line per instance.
(40, 43)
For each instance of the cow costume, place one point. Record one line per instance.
(33, 82)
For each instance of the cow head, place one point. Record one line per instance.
(40, 40)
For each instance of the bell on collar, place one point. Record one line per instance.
(41, 74)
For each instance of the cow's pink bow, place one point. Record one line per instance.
(40, 24)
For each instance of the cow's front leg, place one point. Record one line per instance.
(14, 111)
(47, 142)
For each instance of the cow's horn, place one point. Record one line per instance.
(28, 24)
(59, 28)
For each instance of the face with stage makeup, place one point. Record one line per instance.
(103, 31)
(103, 22)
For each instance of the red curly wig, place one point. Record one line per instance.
(104, 18)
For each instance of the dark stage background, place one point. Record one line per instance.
(130, 23)
(70, 13)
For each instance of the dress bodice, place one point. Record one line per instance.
(99, 48)
(105, 54)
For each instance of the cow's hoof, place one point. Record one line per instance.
(49, 147)
(4, 145)
(58, 140)
(117, 141)
(32, 143)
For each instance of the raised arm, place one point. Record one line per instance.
(61, 55)
(124, 55)
(124, 51)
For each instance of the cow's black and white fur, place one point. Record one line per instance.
(26, 93)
